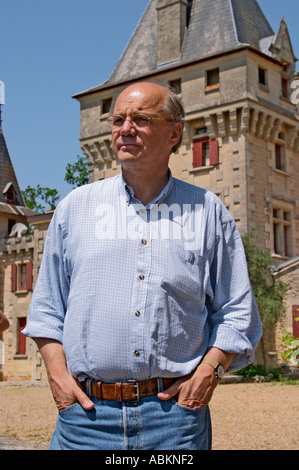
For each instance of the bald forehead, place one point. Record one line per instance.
(142, 96)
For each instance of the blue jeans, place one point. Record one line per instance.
(149, 424)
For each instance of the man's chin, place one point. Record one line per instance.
(127, 155)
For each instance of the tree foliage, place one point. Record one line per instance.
(269, 294)
(40, 199)
(36, 198)
(77, 173)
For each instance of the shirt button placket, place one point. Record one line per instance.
(143, 266)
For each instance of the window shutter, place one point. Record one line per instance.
(13, 278)
(29, 276)
(214, 152)
(22, 338)
(197, 154)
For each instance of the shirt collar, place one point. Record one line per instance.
(128, 191)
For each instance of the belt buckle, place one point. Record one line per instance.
(137, 391)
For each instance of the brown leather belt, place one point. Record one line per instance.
(127, 391)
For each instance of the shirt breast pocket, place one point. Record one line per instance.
(185, 272)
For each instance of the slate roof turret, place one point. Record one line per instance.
(215, 26)
(7, 173)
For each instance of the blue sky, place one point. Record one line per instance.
(53, 49)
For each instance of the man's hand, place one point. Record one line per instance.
(195, 390)
(65, 389)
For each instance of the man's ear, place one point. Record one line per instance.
(177, 129)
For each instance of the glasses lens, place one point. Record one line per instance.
(117, 121)
(139, 121)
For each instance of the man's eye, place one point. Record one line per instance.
(140, 121)
(118, 121)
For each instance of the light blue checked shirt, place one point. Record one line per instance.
(135, 292)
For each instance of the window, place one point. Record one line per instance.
(21, 277)
(282, 232)
(23, 273)
(284, 87)
(10, 194)
(262, 76)
(205, 152)
(279, 157)
(106, 105)
(212, 77)
(21, 348)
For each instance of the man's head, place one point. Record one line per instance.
(147, 124)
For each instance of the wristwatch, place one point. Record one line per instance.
(219, 369)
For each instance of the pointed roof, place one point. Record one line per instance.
(7, 173)
(216, 26)
(279, 45)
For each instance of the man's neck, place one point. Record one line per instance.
(146, 187)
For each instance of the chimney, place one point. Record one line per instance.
(172, 22)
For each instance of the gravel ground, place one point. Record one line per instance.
(244, 416)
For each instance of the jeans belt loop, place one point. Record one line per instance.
(137, 390)
(118, 392)
(88, 387)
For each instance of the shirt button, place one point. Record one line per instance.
(137, 313)
(144, 242)
(141, 277)
(137, 353)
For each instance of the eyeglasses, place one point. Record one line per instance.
(137, 120)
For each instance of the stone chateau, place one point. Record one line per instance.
(236, 77)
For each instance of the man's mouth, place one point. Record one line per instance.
(128, 145)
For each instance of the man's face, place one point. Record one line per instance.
(149, 146)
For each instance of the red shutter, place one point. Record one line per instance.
(295, 314)
(13, 278)
(29, 276)
(22, 338)
(197, 154)
(214, 152)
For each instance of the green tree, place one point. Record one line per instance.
(36, 198)
(77, 173)
(269, 294)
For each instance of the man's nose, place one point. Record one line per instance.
(128, 126)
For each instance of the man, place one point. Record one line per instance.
(143, 297)
(4, 322)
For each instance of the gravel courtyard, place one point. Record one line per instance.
(250, 416)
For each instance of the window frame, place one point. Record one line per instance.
(282, 231)
(212, 83)
(21, 282)
(199, 159)
(264, 82)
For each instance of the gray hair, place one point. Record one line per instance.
(175, 112)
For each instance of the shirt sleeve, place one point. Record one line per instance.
(49, 300)
(234, 318)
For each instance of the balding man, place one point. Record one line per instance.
(143, 298)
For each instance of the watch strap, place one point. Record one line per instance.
(211, 362)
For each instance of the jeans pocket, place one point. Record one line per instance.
(68, 408)
(187, 408)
